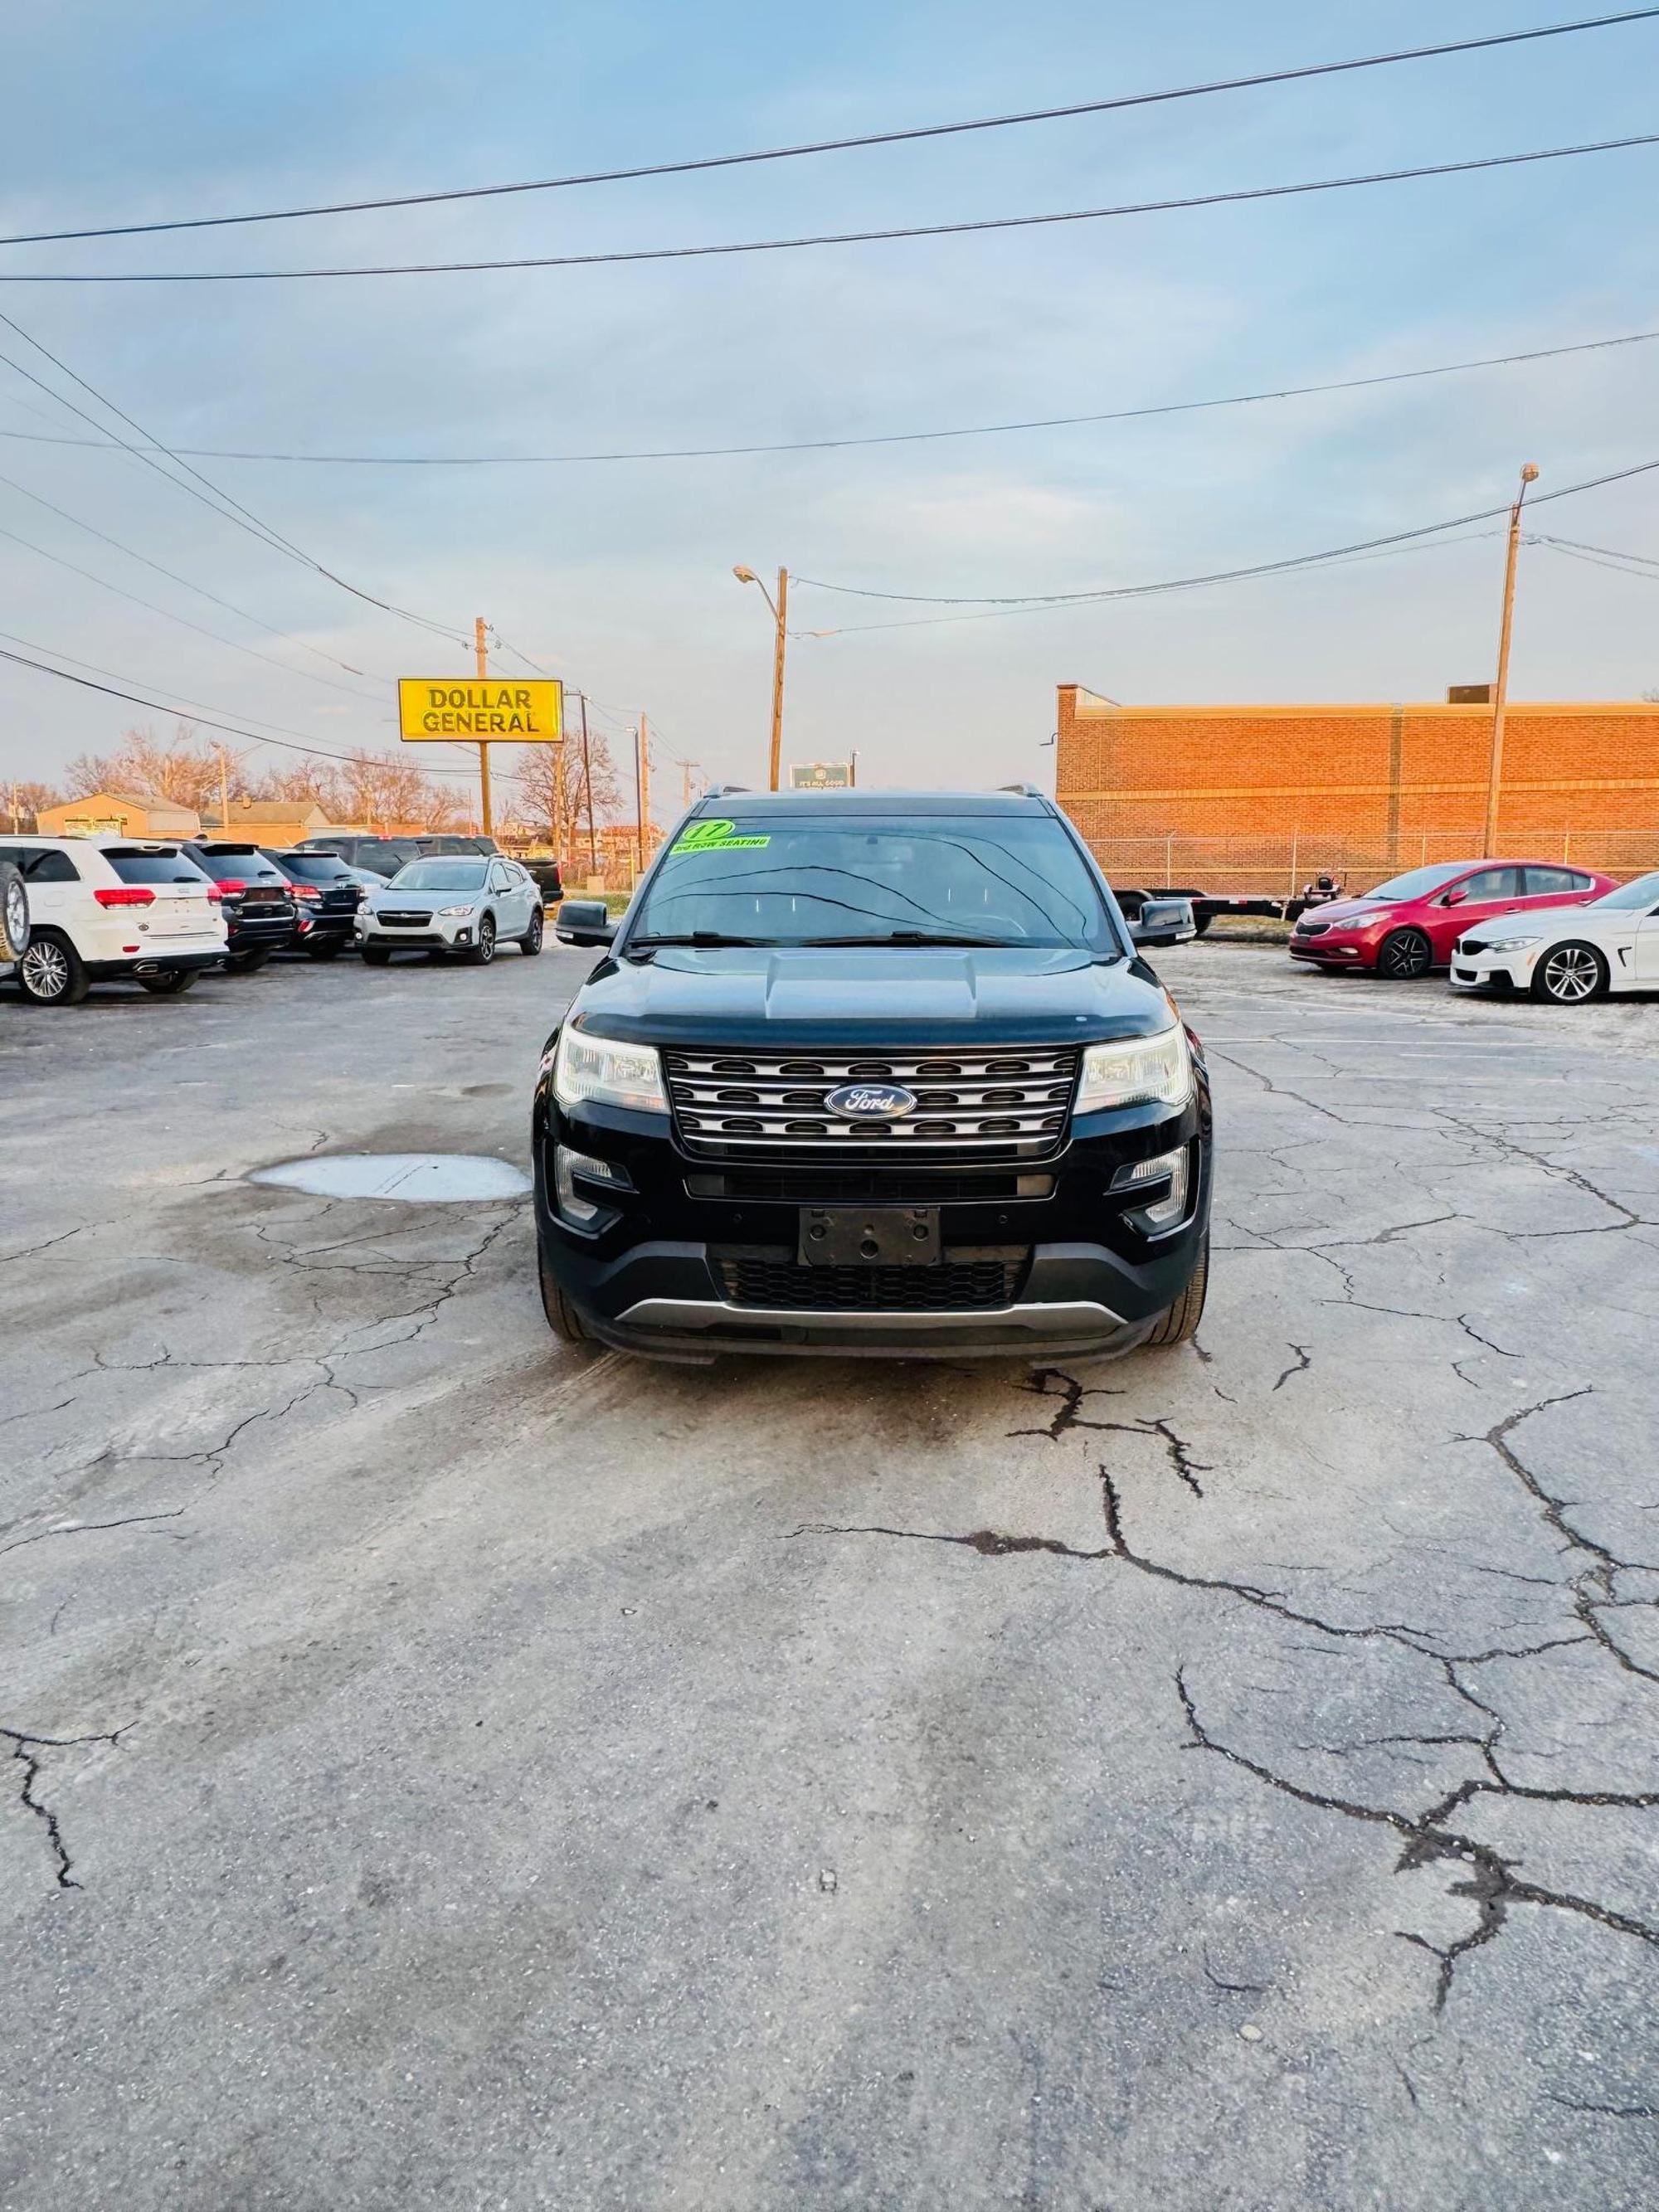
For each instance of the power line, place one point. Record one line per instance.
(221, 503)
(829, 238)
(1013, 601)
(887, 438)
(1620, 568)
(160, 707)
(1117, 103)
(1613, 552)
(103, 536)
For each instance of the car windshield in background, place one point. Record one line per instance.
(441, 876)
(315, 867)
(1634, 897)
(154, 867)
(864, 880)
(1418, 882)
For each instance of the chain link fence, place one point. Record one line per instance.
(1279, 867)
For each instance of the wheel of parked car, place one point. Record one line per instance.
(248, 963)
(173, 985)
(14, 912)
(50, 972)
(484, 951)
(1570, 974)
(1403, 954)
(564, 1319)
(1179, 1325)
(531, 942)
(327, 948)
(377, 955)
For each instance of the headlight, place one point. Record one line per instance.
(599, 1069)
(447, 911)
(1137, 1070)
(1507, 944)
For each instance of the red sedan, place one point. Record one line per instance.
(1410, 924)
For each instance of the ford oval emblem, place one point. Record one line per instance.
(863, 1102)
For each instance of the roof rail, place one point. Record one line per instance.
(1023, 790)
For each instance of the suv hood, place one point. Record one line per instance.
(855, 995)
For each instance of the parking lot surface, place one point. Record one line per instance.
(447, 1770)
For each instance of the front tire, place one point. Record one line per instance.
(173, 985)
(51, 973)
(14, 912)
(1404, 954)
(376, 956)
(1570, 976)
(329, 948)
(484, 951)
(1179, 1323)
(531, 942)
(563, 1318)
(247, 963)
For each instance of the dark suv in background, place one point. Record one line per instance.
(872, 1072)
(260, 911)
(326, 894)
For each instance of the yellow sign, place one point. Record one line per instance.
(486, 710)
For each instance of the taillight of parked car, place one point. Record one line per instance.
(304, 891)
(126, 895)
(230, 887)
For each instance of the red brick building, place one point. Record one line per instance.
(1246, 797)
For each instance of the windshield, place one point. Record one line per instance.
(1418, 882)
(861, 879)
(441, 876)
(1633, 897)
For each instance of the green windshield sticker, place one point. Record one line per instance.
(714, 837)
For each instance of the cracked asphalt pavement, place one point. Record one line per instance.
(447, 1770)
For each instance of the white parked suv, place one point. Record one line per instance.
(460, 903)
(103, 911)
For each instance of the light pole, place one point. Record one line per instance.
(1500, 696)
(780, 607)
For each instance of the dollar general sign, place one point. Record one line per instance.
(483, 709)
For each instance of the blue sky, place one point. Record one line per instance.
(618, 575)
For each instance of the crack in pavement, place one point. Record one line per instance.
(24, 1746)
(1304, 1362)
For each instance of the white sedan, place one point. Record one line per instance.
(451, 904)
(1567, 954)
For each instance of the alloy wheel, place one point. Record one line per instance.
(44, 969)
(1571, 974)
(1406, 954)
(486, 941)
(17, 913)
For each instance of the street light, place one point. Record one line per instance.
(780, 607)
(1500, 697)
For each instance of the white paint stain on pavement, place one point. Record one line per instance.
(413, 1178)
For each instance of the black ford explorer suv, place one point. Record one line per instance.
(872, 1072)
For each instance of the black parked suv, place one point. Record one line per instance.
(257, 899)
(327, 896)
(872, 1072)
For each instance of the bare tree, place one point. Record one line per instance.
(184, 768)
(25, 803)
(553, 789)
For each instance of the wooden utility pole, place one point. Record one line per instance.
(781, 610)
(639, 810)
(645, 783)
(1500, 696)
(587, 787)
(480, 640)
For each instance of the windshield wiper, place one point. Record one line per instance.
(695, 937)
(921, 937)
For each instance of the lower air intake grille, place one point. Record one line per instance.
(773, 1282)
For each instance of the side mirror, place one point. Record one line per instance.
(1453, 898)
(584, 921)
(1163, 921)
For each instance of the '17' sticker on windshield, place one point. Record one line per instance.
(715, 837)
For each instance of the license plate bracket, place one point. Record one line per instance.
(869, 1236)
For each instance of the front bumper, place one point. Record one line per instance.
(1335, 950)
(440, 934)
(1502, 973)
(663, 1271)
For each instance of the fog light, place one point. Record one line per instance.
(567, 1166)
(1164, 1212)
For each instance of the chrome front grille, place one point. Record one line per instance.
(1012, 1103)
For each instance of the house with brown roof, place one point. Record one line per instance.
(120, 814)
(275, 822)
